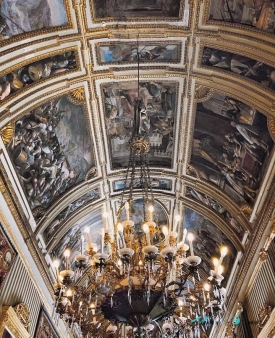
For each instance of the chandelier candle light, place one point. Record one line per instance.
(143, 282)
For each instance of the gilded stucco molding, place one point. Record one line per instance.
(7, 133)
(235, 28)
(268, 330)
(18, 214)
(202, 93)
(250, 253)
(10, 321)
(23, 314)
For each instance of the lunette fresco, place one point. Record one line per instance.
(65, 213)
(255, 13)
(51, 150)
(42, 69)
(231, 146)
(255, 70)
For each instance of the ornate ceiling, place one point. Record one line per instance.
(68, 79)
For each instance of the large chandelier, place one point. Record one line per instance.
(143, 281)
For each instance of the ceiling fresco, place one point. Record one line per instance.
(156, 183)
(19, 17)
(216, 206)
(51, 150)
(231, 145)
(56, 224)
(120, 9)
(73, 239)
(209, 119)
(259, 13)
(255, 70)
(33, 72)
(208, 235)
(158, 124)
(125, 52)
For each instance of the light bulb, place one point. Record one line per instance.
(56, 264)
(87, 230)
(206, 287)
(165, 230)
(190, 237)
(220, 270)
(69, 293)
(145, 228)
(140, 262)
(150, 208)
(67, 253)
(180, 302)
(92, 305)
(215, 262)
(105, 214)
(224, 251)
(177, 218)
(120, 227)
(119, 262)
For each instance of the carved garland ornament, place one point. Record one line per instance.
(10, 321)
(264, 315)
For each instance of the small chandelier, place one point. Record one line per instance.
(143, 281)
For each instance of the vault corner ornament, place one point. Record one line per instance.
(92, 173)
(271, 124)
(202, 93)
(263, 255)
(77, 96)
(23, 314)
(7, 133)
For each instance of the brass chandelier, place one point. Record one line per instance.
(143, 281)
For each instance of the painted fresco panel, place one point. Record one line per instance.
(160, 99)
(51, 150)
(208, 241)
(231, 146)
(33, 72)
(7, 256)
(45, 328)
(25, 16)
(137, 8)
(65, 213)
(72, 239)
(241, 65)
(127, 52)
(156, 183)
(259, 13)
(213, 204)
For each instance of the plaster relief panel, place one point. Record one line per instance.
(231, 146)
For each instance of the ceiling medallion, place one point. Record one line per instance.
(140, 282)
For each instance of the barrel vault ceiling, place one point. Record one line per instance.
(68, 79)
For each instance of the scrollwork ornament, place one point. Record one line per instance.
(229, 333)
(271, 124)
(77, 96)
(264, 315)
(263, 255)
(7, 133)
(23, 314)
(92, 173)
(202, 93)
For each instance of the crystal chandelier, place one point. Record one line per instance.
(143, 281)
